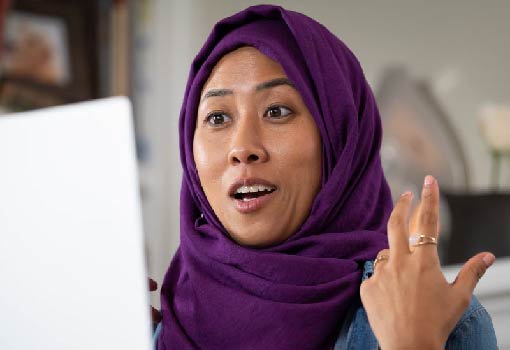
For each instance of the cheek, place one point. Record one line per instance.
(300, 156)
(209, 160)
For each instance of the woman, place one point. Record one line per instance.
(284, 207)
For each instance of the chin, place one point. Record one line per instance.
(258, 238)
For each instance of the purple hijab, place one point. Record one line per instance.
(294, 295)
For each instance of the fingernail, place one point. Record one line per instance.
(427, 184)
(489, 259)
(429, 180)
(407, 194)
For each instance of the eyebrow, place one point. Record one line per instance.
(265, 85)
(272, 83)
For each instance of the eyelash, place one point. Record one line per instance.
(209, 116)
(280, 107)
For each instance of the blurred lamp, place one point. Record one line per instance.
(495, 128)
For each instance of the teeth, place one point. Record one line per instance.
(254, 188)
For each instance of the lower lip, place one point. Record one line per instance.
(255, 204)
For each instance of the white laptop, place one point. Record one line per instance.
(72, 265)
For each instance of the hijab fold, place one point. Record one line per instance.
(218, 294)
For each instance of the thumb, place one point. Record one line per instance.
(472, 271)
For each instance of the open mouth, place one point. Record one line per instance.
(248, 193)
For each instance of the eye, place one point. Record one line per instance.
(278, 112)
(217, 119)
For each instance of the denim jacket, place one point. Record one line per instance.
(474, 331)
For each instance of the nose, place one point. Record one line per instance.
(247, 146)
(246, 156)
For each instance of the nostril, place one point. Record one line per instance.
(253, 158)
(245, 156)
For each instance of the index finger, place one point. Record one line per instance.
(428, 218)
(397, 226)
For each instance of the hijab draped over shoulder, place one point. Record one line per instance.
(218, 294)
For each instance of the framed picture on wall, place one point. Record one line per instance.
(49, 54)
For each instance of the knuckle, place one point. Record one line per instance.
(428, 217)
(472, 270)
(428, 195)
(383, 252)
(477, 270)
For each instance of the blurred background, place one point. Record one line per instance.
(440, 72)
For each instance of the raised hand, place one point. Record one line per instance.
(409, 303)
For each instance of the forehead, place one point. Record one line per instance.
(242, 66)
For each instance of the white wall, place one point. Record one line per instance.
(462, 47)
(163, 57)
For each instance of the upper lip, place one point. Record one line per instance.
(248, 182)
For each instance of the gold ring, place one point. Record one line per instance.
(418, 240)
(380, 258)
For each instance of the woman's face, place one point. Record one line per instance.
(257, 149)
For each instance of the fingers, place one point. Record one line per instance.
(413, 222)
(413, 225)
(429, 208)
(156, 315)
(152, 285)
(397, 225)
(428, 216)
(381, 256)
(471, 273)
(384, 252)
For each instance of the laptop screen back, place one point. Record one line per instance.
(72, 266)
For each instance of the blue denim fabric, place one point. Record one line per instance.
(474, 331)
(155, 337)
